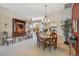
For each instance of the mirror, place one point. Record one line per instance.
(19, 27)
(75, 25)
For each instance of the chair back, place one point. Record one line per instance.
(53, 37)
(4, 35)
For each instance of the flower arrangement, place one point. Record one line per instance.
(45, 30)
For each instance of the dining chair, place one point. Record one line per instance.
(29, 34)
(51, 41)
(6, 38)
(39, 40)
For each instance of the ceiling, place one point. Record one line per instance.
(36, 10)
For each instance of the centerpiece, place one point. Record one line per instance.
(45, 30)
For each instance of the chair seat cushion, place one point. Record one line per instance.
(49, 42)
(9, 39)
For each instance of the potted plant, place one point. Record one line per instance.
(66, 27)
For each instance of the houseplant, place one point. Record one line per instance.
(66, 27)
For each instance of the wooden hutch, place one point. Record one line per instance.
(75, 25)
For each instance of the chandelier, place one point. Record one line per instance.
(45, 19)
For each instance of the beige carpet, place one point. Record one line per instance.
(29, 48)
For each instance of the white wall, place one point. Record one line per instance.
(6, 18)
(7, 15)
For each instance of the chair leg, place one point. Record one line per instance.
(49, 47)
(55, 46)
(28, 37)
(44, 47)
(3, 43)
(7, 43)
(12, 41)
(38, 44)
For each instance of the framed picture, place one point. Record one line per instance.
(75, 25)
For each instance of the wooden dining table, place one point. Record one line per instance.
(44, 37)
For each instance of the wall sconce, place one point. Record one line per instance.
(6, 25)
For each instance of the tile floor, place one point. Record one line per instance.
(29, 48)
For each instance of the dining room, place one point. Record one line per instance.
(42, 21)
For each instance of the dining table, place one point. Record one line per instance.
(46, 36)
